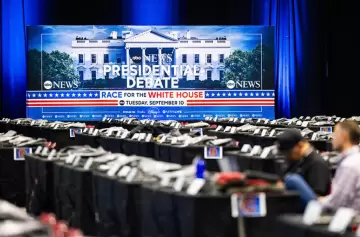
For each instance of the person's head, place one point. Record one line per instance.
(346, 134)
(292, 144)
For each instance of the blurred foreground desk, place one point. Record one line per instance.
(291, 225)
(176, 214)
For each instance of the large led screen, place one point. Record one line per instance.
(158, 72)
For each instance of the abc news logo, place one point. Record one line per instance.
(136, 58)
(61, 85)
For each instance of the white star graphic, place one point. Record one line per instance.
(240, 94)
(224, 94)
(229, 94)
(56, 95)
(50, 94)
(45, 95)
(96, 94)
(251, 94)
(90, 94)
(34, 95)
(73, 95)
(262, 94)
(67, 95)
(267, 94)
(212, 94)
(29, 95)
(84, 94)
(62, 94)
(79, 95)
(39, 95)
(246, 94)
(257, 94)
(273, 94)
(207, 94)
(234, 94)
(218, 94)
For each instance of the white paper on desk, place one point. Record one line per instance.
(165, 180)
(124, 171)
(38, 150)
(195, 186)
(305, 124)
(234, 199)
(245, 148)
(132, 174)
(255, 150)
(341, 220)
(266, 151)
(45, 151)
(314, 136)
(312, 212)
(179, 183)
(51, 154)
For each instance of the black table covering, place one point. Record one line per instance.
(39, 185)
(12, 178)
(118, 205)
(256, 163)
(159, 213)
(86, 139)
(106, 206)
(185, 155)
(74, 197)
(140, 148)
(291, 225)
(112, 144)
(177, 154)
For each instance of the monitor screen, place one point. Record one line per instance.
(150, 72)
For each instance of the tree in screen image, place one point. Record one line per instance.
(56, 66)
(246, 66)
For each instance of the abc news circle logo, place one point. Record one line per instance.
(136, 58)
(48, 85)
(230, 84)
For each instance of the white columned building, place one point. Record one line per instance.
(209, 54)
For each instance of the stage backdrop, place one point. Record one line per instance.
(159, 72)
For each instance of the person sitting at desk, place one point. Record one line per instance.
(345, 190)
(303, 160)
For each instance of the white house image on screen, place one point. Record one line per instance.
(174, 48)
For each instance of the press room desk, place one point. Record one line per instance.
(86, 139)
(184, 155)
(291, 225)
(256, 163)
(39, 185)
(170, 214)
(264, 141)
(12, 177)
(118, 205)
(238, 124)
